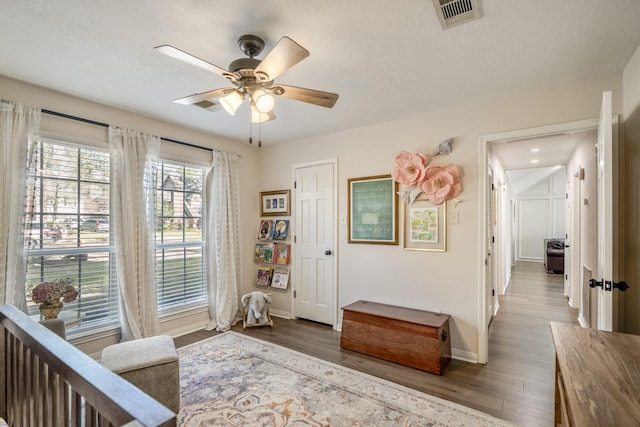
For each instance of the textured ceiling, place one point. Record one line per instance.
(387, 59)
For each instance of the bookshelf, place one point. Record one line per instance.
(273, 253)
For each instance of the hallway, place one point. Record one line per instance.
(520, 343)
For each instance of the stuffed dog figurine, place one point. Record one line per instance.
(256, 303)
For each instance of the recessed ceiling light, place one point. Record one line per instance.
(535, 150)
(534, 161)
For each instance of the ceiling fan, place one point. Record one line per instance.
(253, 79)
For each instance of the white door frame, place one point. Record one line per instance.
(334, 162)
(483, 164)
(575, 252)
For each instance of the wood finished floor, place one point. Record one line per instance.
(518, 382)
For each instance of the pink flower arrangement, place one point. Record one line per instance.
(410, 168)
(54, 292)
(439, 183)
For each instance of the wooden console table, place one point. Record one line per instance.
(415, 338)
(597, 377)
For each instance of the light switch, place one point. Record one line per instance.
(455, 217)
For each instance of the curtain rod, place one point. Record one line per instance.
(106, 125)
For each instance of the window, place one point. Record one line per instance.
(67, 233)
(180, 269)
(70, 189)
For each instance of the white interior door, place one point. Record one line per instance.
(314, 256)
(489, 267)
(573, 258)
(568, 251)
(605, 214)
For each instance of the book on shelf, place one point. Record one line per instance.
(282, 253)
(265, 230)
(280, 278)
(263, 252)
(264, 275)
(280, 229)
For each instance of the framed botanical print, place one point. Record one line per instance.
(425, 226)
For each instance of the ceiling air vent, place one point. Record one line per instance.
(208, 105)
(455, 12)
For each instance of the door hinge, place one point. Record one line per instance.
(493, 239)
(566, 195)
(294, 239)
(294, 294)
(295, 184)
(493, 292)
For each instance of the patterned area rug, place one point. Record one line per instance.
(235, 380)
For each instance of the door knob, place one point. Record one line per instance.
(607, 285)
(327, 252)
(622, 285)
(593, 283)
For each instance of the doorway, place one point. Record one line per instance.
(485, 144)
(314, 260)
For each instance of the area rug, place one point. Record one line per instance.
(235, 380)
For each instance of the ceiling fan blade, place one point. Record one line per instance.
(284, 55)
(316, 97)
(183, 56)
(192, 99)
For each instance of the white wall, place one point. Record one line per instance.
(17, 91)
(446, 281)
(541, 215)
(631, 85)
(584, 158)
(631, 192)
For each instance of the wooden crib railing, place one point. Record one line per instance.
(45, 381)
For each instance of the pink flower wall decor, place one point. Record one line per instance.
(442, 183)
(410, 168)
(438, 183)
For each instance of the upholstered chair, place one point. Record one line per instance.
(151, 364)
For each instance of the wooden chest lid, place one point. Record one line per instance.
(404, 314)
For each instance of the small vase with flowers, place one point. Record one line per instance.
(52, 295)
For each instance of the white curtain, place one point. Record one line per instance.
(222, 241)
(134, 159)
(19, 127)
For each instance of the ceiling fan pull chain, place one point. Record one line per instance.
(250, 135)
(260, 134)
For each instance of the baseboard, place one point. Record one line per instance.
(282, 314)
(198, 326)
(583, 322)
(464, 356)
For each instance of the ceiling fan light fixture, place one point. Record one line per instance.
(253, 78)
(260, 117)
(231, 102)
(263, 101)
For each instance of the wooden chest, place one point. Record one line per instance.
(415, 338)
